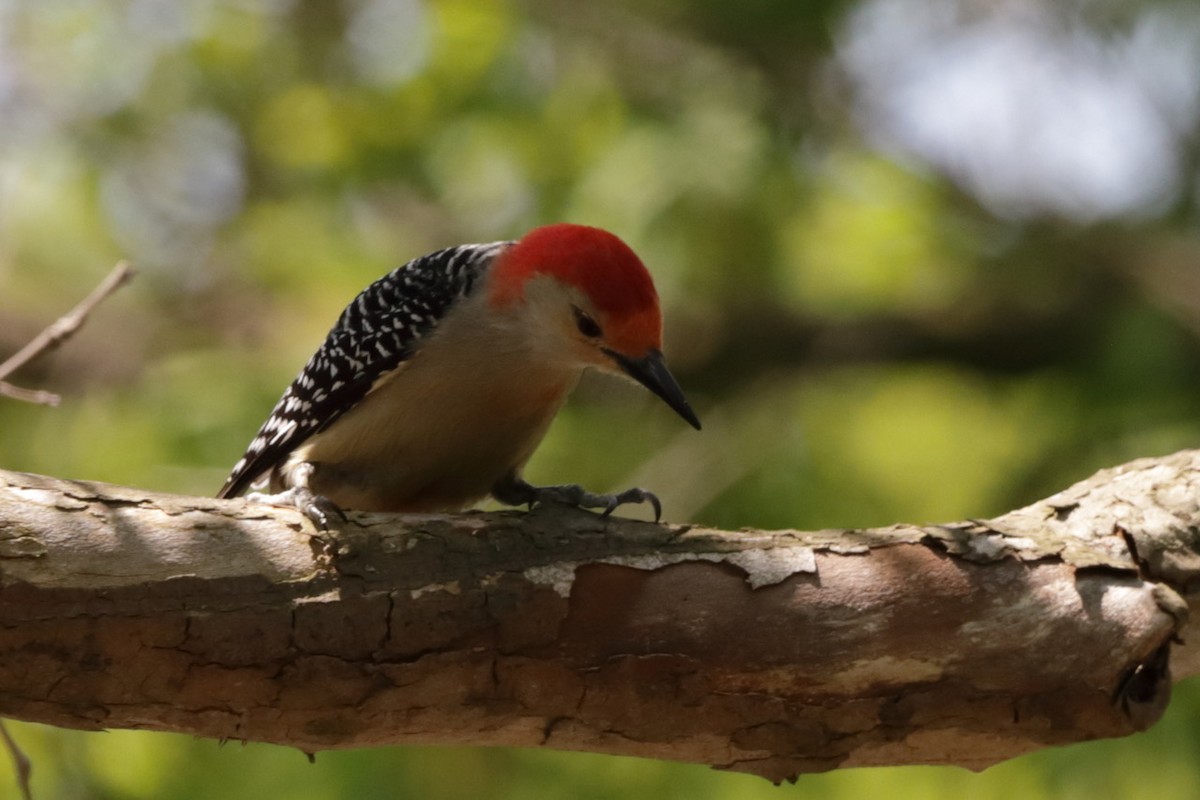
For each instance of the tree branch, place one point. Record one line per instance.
(773, 653)
(57, 333)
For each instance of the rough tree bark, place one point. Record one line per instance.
(773, 653)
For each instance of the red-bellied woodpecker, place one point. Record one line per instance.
(440, 379)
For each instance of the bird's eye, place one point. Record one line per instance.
(587, 326)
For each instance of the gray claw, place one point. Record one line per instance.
(633, 495)
(516, 491)
(318, 508)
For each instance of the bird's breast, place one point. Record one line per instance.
(435, 435)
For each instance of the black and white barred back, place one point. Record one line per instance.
(375, 334)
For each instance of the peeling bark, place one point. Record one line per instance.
(773, 653)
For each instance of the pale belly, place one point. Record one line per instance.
(428, 441)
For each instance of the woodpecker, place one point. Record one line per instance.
(438, 381)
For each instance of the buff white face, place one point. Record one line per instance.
(592, 301)
(567, 328)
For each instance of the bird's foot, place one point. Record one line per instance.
(517, 491)
(318, 508)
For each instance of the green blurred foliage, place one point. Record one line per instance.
(867, 335)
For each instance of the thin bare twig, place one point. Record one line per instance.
(38, 396)
(57, 333)
(21, 762)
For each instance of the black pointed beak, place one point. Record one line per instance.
(651, 371)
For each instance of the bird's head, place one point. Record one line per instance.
(590, 295)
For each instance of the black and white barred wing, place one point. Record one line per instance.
(377, 333)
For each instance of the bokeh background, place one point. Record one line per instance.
(921, 260)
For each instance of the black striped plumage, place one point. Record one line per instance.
(374, 335)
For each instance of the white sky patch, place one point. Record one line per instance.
(1028, 109)
(389, 39)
